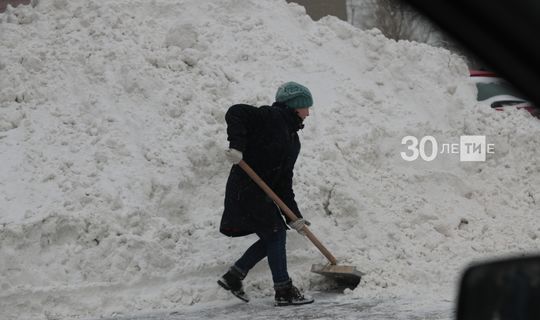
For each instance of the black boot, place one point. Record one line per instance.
(288, 295)
(232, 281)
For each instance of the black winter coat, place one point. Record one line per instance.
(267, 137)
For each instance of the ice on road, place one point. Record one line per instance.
(326, 306)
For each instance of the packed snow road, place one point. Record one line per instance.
(326, 306)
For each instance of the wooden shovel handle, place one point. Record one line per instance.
(253, 175)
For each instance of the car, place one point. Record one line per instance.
(499, 94)
(505, 289)
(499, 32)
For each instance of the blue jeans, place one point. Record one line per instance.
(271, 244)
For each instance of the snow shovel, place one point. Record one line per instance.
(346, 276)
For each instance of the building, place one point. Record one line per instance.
(13, 3)
(317, 9)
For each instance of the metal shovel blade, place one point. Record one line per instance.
(346, 276)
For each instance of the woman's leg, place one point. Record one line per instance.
(272, 244)
(251, 257)
(275, 243)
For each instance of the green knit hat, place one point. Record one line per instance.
(294, 95)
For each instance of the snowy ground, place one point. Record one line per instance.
(112, 177)
(327, 306)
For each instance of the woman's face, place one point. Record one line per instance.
(302, 112)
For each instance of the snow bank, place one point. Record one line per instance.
(112, 178)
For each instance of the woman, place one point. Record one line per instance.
(265, 138)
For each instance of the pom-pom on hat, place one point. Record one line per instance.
(294, 95)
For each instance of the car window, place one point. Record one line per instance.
(489, 90)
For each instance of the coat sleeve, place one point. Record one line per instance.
(243, 120)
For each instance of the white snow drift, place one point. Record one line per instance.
(112, 170)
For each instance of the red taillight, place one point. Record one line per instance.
(482, 73)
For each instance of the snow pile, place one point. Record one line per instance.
(112, 135)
